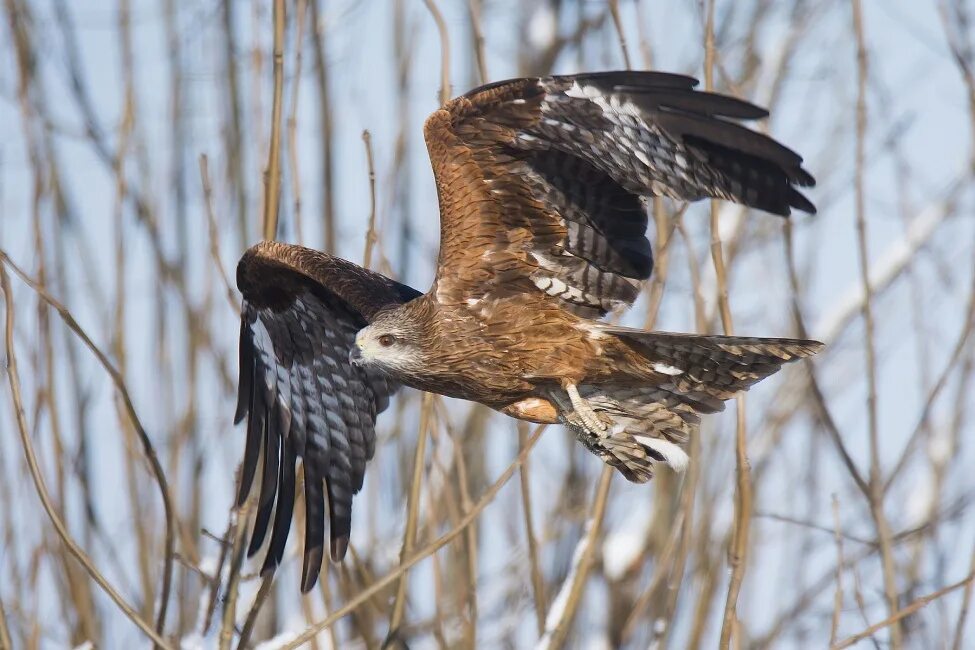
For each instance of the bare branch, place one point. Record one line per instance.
(35, 470)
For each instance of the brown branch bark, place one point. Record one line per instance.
(272, 174)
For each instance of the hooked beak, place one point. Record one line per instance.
(355, 355)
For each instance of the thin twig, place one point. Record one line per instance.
(474, 6)
(217, 572)
(875, 480)
(538, 585)
(470, 539)
(5, 641)
(325, 126)
(445, 91)
(301, 10)
(267, 581)
(562, 611)
(819, 400)
(900, 614)
(412, 513)
(963, 610)
(147, 447)
(371, 228)
(239, 524)
(272, 175)
(614, 10)
(35, 469)
(838, 595)
(738, 553)
(214, 234)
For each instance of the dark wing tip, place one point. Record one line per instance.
(257, 538)
(241, 412)
(282, 512)
(311, 567)
(245, 367)
(804, 178)
(340, 513)
(632, 79)
(339, 547)
(799, 201)
(252, 448)
(688, 100)
(759, 171)
(314, 528)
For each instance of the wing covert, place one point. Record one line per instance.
(301, 396)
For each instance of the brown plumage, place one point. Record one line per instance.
(542, 186)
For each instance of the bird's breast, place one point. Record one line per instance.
(505, 352)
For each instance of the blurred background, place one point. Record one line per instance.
(134, 139)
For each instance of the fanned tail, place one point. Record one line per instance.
(674, 378)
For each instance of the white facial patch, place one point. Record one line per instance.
(371, 351)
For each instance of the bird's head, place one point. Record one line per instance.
(389, 344)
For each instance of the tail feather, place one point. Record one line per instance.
(671, 380)
(718, 366)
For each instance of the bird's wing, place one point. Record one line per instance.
(301, 396)
(541, 181)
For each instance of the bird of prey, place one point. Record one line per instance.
(542, 184)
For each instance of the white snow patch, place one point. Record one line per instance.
(620, 550)
(921, 501)
(557, 609)
(729, 219)
(208, 564)
(625, 543)
(278, 641)
(597, 641)
(940, 446)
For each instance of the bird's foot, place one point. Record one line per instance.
(583, 411)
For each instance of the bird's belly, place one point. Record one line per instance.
(477, 373)
(486, 382)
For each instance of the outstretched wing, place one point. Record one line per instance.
(541, 180)
(301, 396)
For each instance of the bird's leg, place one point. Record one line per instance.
(584, 411)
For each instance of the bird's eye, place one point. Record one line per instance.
(386, 340)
